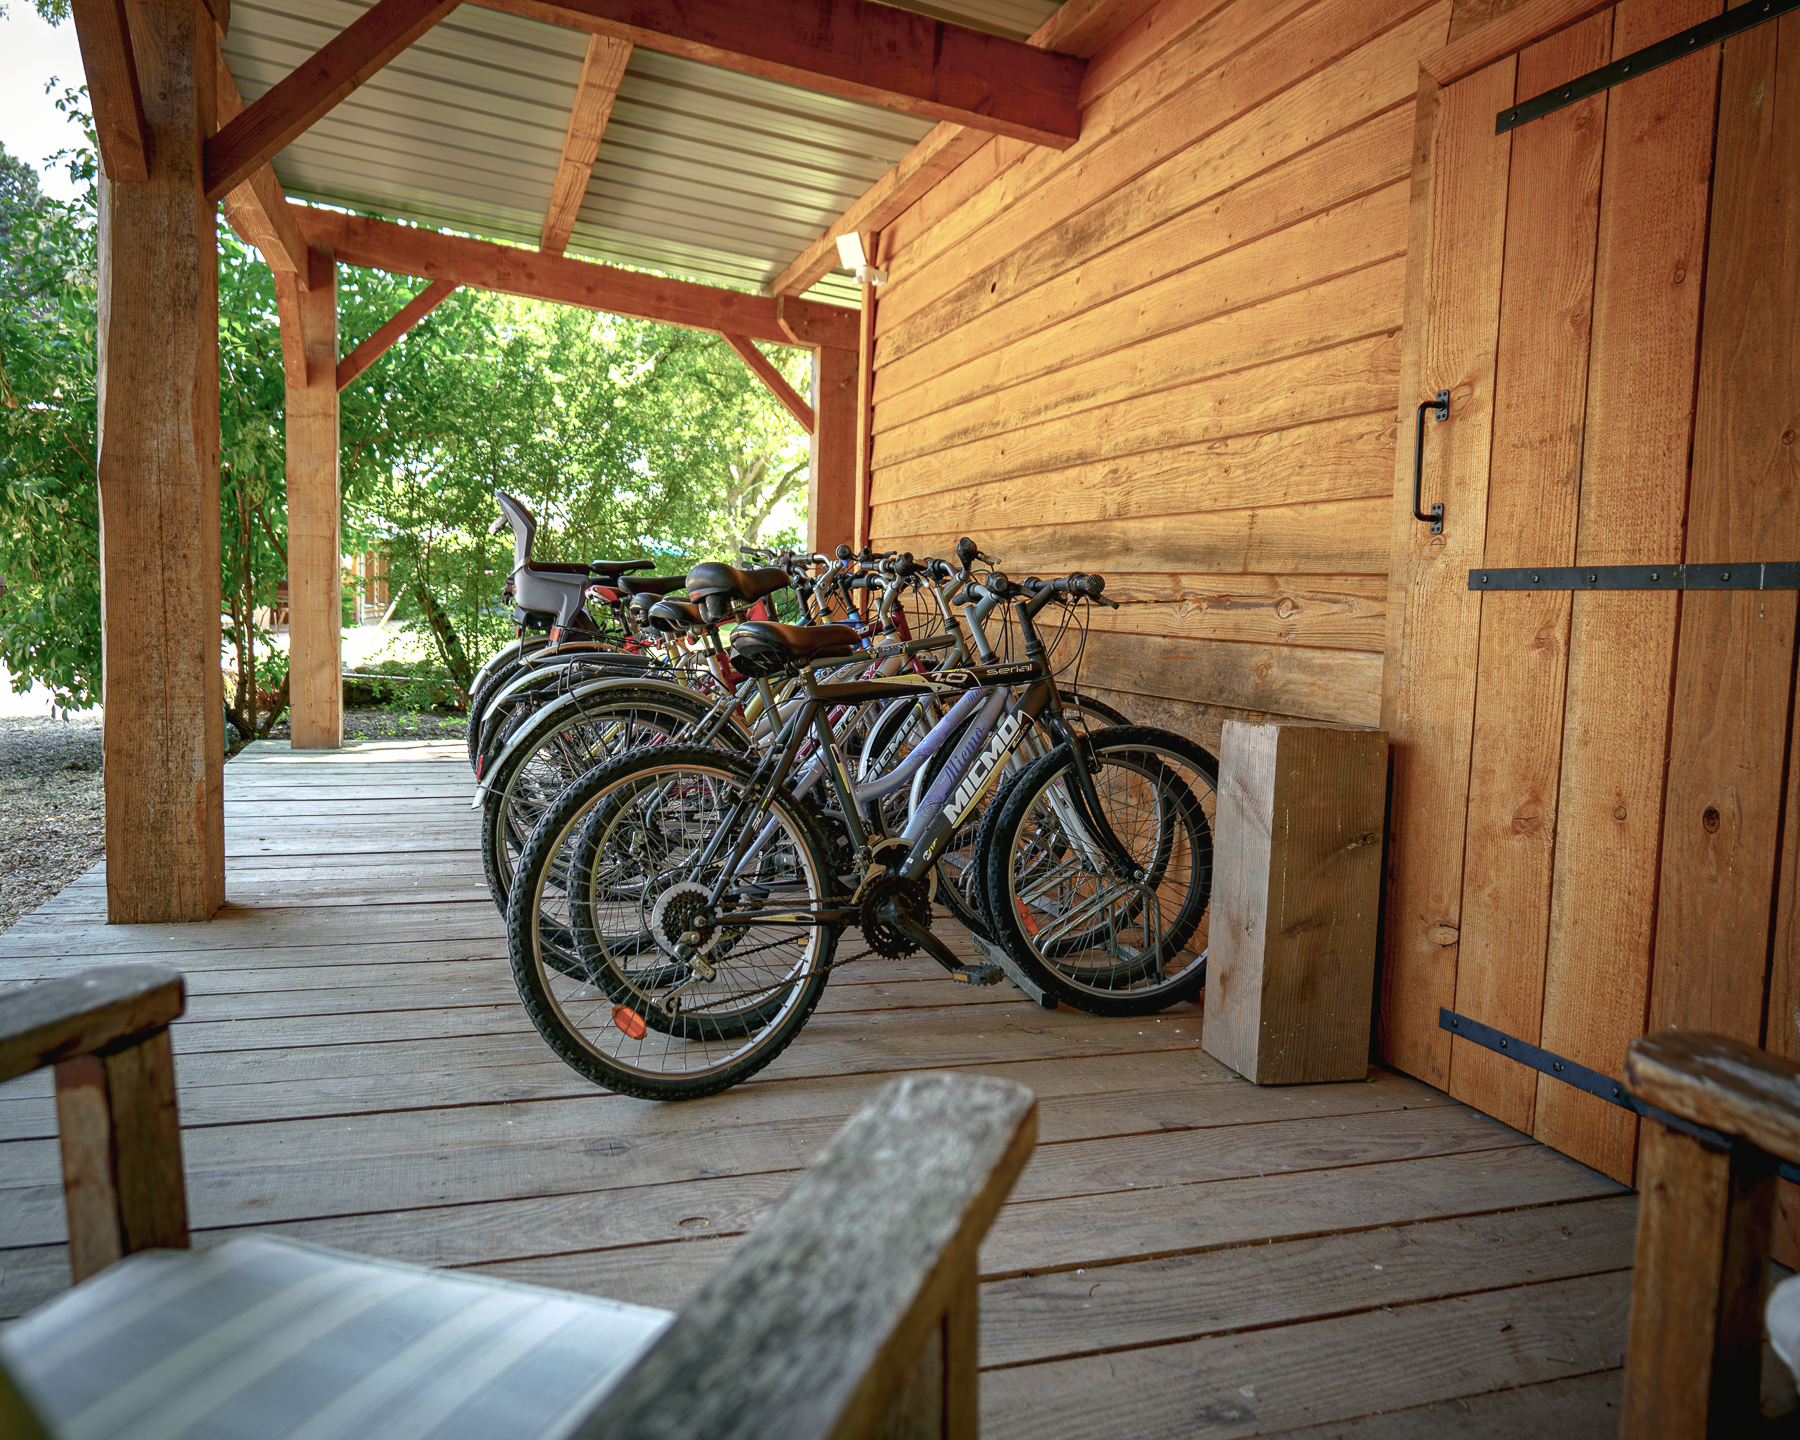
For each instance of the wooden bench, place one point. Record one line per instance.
(1729, 1115)
(851, 1312)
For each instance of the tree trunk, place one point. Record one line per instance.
(462, 674)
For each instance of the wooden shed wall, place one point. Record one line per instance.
(1171, 354)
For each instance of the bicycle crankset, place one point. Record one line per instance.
(910, 908)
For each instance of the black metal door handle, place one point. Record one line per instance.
(1442, 406)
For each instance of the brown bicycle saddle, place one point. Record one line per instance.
(713, 577)
(653, 584)
(763, 647)
(673, 617)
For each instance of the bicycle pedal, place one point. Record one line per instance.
(978, 975)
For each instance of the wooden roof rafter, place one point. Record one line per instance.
(314, 87)
(1078, 30)
(511, 270)
(258, 208)
(855, 48)
(601, 71)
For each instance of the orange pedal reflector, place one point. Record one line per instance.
(629, 1021)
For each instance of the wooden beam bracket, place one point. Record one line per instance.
(378, 344)
(602, 70)
(765, 371)
(104, 36)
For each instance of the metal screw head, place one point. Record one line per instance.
(1534, 579)
(1593, 579)
(1724, 574)
(1502, 1044)
(1558, 1065)
(1654, 576)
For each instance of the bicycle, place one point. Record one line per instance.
(676, 913)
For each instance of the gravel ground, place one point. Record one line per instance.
(51, 814)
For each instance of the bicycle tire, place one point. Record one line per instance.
(585, 1017)
(1042, 873)
(555, 749)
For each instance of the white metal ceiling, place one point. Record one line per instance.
(704, 173)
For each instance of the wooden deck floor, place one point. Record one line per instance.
(1186, 1255)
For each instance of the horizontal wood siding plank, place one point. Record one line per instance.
(1356, 379)
(1332, 460)
(1168, 219)
(1357, 234)
(1334, 313)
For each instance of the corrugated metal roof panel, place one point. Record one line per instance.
(704, 173)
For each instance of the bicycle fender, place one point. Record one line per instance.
(571, 701)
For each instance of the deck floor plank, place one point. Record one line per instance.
(1186, 1254)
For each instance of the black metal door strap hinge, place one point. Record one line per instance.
(1603, 1087)
(1441, 407)
(1688, 42)
(1747, 575)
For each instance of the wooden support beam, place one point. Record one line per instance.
(293, 330)
(258, 209)
(403, 250)
(831, 487)
(870, 52)
(314, 88)
(601, 72)
(766, 372)
(112, 78)
(1081, 28)
(378, 344)
(158, 468)
(315, 557)
(865, 400)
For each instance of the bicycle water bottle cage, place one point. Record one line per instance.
(764, 647)
(718, 587)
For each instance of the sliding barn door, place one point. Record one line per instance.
(1594, 819)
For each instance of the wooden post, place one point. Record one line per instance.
(1296, 891)
(865, 399)
(121, 1153)
(315, 580)
(831, 491)
(158, 466)
(1694, 1355)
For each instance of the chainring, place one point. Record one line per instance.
(912, 898)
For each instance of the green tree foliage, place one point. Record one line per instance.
(49, 519)
(627, 438)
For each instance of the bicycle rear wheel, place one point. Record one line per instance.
(560, 745)
(1107, 944)
(614, 878)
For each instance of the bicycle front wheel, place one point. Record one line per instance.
(615, 884)
(1103, 942)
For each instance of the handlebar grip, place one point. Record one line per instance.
(498, 525)
(843, 552)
